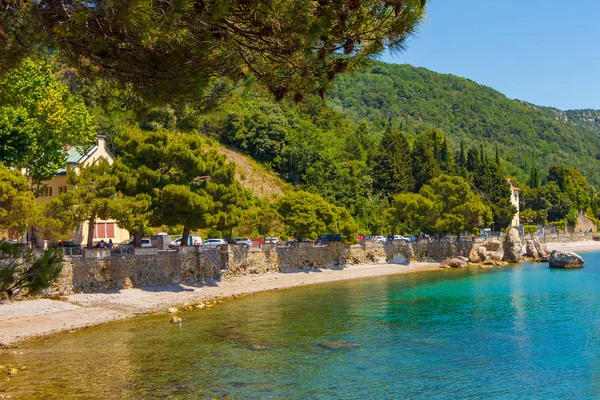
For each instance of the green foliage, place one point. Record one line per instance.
(459, 208)
(175, 178)
(38, 116)
(308, 215)
(17, 202)
(467, 112)
(549, 199)
(417, 212)
(530, 228)
(21, 272)
(95, 189)
(187, 47)
(392, 171)
(424, 155)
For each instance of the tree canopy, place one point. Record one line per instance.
(166, 49)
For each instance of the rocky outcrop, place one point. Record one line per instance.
(513, 248)
(489, 250)
(562, 259)
(455, 262)
(536, 250)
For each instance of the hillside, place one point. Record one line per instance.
(417, 98)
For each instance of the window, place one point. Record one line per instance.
(60, 189)
(50, 192)
(104, 230)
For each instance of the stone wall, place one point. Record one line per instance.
(118, 272)
(190, 265)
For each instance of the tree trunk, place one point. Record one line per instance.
(91, 227)
(185, 237)
(137, 238)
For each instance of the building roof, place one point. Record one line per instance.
(76, 156)
(512, 184)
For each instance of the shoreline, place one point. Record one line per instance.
(24, 320)
(583, 246)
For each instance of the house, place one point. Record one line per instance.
(515, 197)
(104, 229)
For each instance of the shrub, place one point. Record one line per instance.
(22, 273)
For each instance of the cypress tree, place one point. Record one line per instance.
(497, 156)
(424, 165)
(463, 155)
(392, 172)
(532, 178)
(473, 163)
(481, 154)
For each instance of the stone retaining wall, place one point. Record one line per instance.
(190, 265)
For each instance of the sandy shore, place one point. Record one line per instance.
(22, 320)
(589, 245)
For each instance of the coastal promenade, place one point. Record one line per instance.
(27, 319)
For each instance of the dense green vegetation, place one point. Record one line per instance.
(418, 99)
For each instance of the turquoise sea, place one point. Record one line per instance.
(523, 332)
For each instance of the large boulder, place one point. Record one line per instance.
(562, 259)
(453, 263)
(513, 248)
(474, 255)
(541, 249)
(531, 250)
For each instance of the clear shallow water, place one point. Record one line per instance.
(510, 333)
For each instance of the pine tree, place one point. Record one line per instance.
(392, 172)
(473, 163)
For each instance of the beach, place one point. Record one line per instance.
(584, 246)
(27, 319)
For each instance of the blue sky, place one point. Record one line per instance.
(543, 51)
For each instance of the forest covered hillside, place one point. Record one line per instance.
(527, 136)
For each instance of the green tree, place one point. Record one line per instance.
(392, 164)
(549, 199)
(182, 48)
(460, 208)
(18, 208)
(417, 212)
(95, 189)
(22, 272)
(188, 183)
(308, 215)
(424, 164)
(38, 116)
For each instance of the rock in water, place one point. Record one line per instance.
(531, 250)
(513, 248)
(541, 249)
(172, 310)
(175, 319)
(561, 259)
(453, 263)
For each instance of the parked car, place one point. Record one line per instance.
(211, 244)
(329, 238)
(175, 243)
(294, 241)
(380, 239)
(271, 240)
(193, 240)
(240, 241)
(127, 246)
(400, 238)
(63, 243)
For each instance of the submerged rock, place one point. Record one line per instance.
(561, 259)
(333, 345)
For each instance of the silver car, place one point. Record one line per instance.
(211, 244)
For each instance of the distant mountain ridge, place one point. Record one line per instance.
(526, 135)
